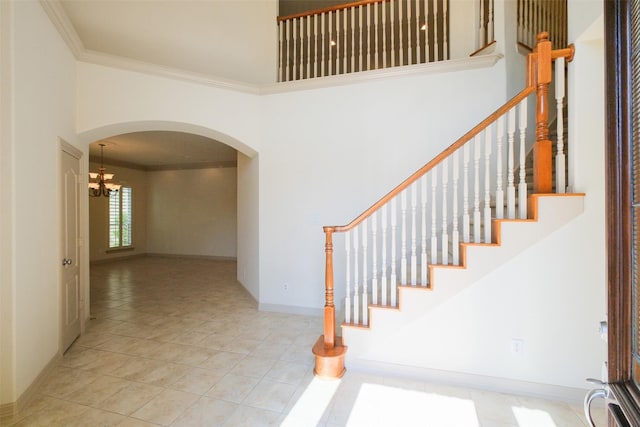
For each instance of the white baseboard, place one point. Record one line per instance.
(501, 385)
(291, 309)
(209, 257)
(159, 255)
(12, 408)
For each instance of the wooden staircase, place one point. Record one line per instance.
(547, 213)
(451, 224)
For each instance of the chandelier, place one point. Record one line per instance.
(99, 182)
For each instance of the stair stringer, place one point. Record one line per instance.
(547, 213)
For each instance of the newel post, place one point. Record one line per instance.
(540, 74)
(542, 149)
(329, 307)
(328, 349)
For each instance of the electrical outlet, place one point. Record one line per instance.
(517, 346)
(285, 287)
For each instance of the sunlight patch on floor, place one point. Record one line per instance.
(533, 417)
(384, 405)
(312, 404)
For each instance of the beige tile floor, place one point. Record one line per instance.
(178, 342)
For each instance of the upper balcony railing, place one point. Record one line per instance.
(535, 16)
(374, 34)
(361, 36)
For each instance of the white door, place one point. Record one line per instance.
(70, 262)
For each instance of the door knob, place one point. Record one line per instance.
(67, 261)
(603, 393)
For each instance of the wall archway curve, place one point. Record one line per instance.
(89, 136)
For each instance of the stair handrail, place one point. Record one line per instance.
(539, 65)
(328, 9)
(434, 162)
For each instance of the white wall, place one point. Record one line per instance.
(329, 154)
(248, 219)
(192, 212)
(43, 73)
(176, 212)
(463, 25)
(99, 214)
(7, 238)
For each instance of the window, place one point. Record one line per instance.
(120, 218)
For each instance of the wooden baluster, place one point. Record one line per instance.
(356, 277)
(394, 278)
(487, 184)
(384, 34)
(360, 51)
(417, 19)
(445, 40)
(455, 235)
(296, 61)
(445, 217)
(481, 30)
(365, 304)
(522, 4)
(376, 36)
(332, 43)
(555, 28)
(499, 163)
(414, 256)
(315, 45)
(336, 44)
(476, 189)
(288, 39)
(530, 24)
(560, 160)
(490, 24)
(374, 258)
(409, 34)
(423, 231)
(347, 298)
(403, 238)
(436, 30)
(522, 185)
(308, 24)
(434, 235)
(345, 43)
(547, 23)
(427, 41)
(400, 33)
(353, 39)
(323, 36)
(383, 260)
(465, 195)
(368, 7)
(538, 26)
(511, 189)
(520, 7)
(281, 25)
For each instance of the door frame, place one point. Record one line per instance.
(619, 245)
(65, 147)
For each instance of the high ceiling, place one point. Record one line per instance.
(157, 150)
(220, 39)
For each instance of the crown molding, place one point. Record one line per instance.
(115, 61)
(470, 63)
(60, 20)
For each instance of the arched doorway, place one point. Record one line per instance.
(193, 190)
